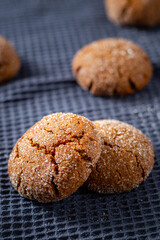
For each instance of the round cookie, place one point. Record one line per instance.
(9, 60)
(54, 157)
(126, 160)
(112, 67)
(134, 12)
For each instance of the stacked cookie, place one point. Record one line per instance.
(64, 150)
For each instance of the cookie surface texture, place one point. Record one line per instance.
(134, 12)
(126, 160)
(54, 157)
(9, 60)
(112, 67)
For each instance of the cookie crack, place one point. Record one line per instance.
(53, 161)
(37, 145)
(4, 64)
(132, 84)
(139, 164)
(49, 131)
(120, 176)
(60, 142)
(111, 145)
(119, 72)
(53, 151)
(55, 187)
(83, 155)
(17, 151)
(90, 86)
(115, 90)
(52, 154)
(97, 170)
(137, 161)
(72, 137)
(19, 179)
(78, 69)
(126, 8)
(21, 172)
(118, 135)
(135, 156)
(19, 184)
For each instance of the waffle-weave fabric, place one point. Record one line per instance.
(46, 34)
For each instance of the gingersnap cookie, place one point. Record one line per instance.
(54, 157)
(133, 12)
(9, 60)
(126, 160)
(112, 67)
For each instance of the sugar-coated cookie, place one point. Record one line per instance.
(112, 67)
(54, 157)
(126, 160)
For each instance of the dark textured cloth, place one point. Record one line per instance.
(46, 35)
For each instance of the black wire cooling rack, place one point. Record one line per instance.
(46, 35)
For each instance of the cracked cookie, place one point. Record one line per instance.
(9, 60)
(112, 67)
(54, 157)
(133, 12)
(126, 160)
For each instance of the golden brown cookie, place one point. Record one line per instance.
(112, 67)
(9, 60)
(54, 157)
(134, 12)
(126, 160)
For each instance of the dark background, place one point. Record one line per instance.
(46, 35)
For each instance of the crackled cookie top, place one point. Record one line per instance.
(134, 12)
(126, 160)
(9, 60)
(112, 67)
(54, 157)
